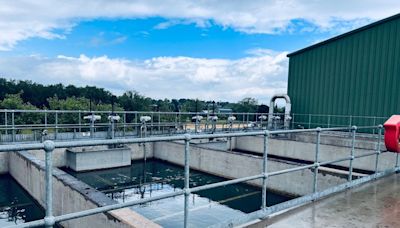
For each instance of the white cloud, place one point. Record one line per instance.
(258, 76)
(23, 19)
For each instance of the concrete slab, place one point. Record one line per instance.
(376, 204)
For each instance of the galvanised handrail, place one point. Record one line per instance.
(49, 146)
(243, 120)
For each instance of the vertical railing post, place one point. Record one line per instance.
(56, 127)
(13, 125)
(265, 171)
(49, 219)
(80, 120)
(159, 122)
(152, 123)
(293, 121)
(45, 118)
(92, 125)
(350, 123)
(124, 129)
(374, 124)
(353, 142)
(329, 121)
(6, 122)
(136, 123)
(309, 121)
(243, 120)
(187, 179)
(378, 149)
(316, 160)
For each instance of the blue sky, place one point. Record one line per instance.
(141, 39)
(220, 50)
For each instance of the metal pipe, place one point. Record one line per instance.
(353, 140)
(56, 129)
(187, 179)
(290, 170)
(13, 125)
(224, 183)
(124, 129)
(49, 147)
(397, 160)
(80, 120)
(316, 159)
(334, 161)
(265, 171)
(4, 148)
(159, 122)
(5, 122)
(378, 149)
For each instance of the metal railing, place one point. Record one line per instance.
(49, 146)
(28, 125)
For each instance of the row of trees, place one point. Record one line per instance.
(29, 95)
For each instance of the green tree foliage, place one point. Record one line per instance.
(247, 104)
(15, 102)
(37, 94)
(77, 103)
(133, 101)
(29, 95)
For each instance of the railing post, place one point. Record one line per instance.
(378, 149)
(159, 122)
(353, 141)
(5, 122)
(187, 179)
(13, 125)
(316, 163)
(45, 118)
(329, 121)
(124, 129)
(374, 124)
(136, 122)
(80, 120)
(309, 121)
(152, 123)
(265, 171)
(56, 127)
(293, 121)
(49, 219)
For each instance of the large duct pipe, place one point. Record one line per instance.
(286, 121)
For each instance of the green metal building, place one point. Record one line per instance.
(354, 74)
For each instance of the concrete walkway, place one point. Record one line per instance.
(375, 204)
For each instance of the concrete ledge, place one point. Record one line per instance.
(70, 194)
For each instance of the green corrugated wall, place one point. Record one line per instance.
(356, 74)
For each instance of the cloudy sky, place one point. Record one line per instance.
(216, 49)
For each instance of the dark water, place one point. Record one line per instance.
(16, 205)
(143, 180)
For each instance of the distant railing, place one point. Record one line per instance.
(39, 125)
(49, 146)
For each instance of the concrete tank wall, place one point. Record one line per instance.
(4, 163)
(235, 165)
(70, 195)
(302, 146)
(60, 155)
